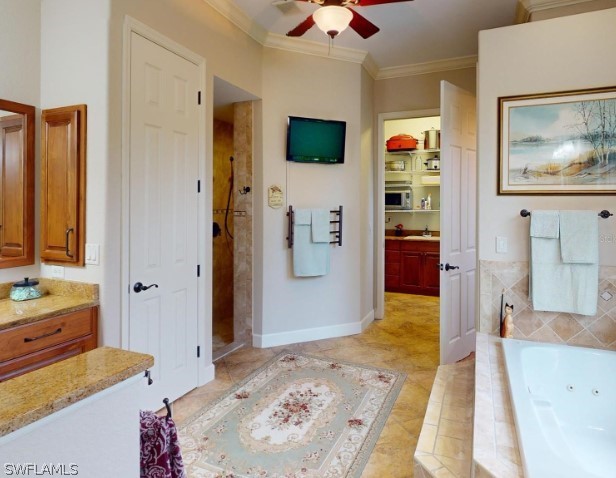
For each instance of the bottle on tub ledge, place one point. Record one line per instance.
(506, 331)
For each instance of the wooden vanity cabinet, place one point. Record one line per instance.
(28, 347)
(16, 184)
(412, 267)
(63, 185)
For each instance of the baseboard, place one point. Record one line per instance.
(206, 374)
(308, 335)
(367, 320)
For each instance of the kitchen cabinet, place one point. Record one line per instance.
(63, 185)
(412, 267)
(28, 347)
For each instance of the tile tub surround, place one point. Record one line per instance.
(495, 442)
(597, 331)
(60, 297)
(35, 395)
(444, 446)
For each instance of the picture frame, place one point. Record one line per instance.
(558, 143)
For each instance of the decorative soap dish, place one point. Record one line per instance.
(26, 289)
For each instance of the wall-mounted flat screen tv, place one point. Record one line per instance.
(312, 140)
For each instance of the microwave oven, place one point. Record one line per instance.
(398, 196)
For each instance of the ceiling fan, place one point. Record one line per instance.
(335, 15)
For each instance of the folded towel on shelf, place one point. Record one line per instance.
(310, 258)
(160, 448)
(579, 237)
(545, 224)
(320, 225)
(556, 286)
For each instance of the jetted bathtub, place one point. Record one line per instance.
(564, 401)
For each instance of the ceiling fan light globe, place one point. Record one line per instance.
(332, 20)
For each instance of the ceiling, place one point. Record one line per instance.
(412, 33)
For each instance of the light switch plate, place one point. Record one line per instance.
(93, 254)
(501, 245)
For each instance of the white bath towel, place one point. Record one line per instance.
(559, 287)
(310, 258)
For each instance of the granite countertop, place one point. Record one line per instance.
(412, 235)
(60, 297)
(35, 395)
(417, 237)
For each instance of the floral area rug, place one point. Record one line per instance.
(296, 417)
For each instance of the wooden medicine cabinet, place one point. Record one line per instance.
(16, 184)
(63, 185)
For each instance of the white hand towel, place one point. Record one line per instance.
(320, 225)
(545, 224)
(579, 237)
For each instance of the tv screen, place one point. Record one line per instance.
(315, 141)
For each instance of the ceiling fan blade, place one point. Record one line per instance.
(361, 25)
(367, 3)
(302, 28)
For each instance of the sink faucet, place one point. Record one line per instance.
(426, 232)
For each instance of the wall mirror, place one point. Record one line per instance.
(16, 184)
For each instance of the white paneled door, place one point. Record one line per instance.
(458, 222)
(163, 231)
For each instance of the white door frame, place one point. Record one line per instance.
(379, 231)
(206, 369)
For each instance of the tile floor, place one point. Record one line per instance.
(407, 340)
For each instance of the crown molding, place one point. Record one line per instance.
(236, 15)
(282, 42)
(526, 8)
(428, 67)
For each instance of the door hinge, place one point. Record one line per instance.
(198, 185)
(198, 351)
(198, 97)
(198, 270)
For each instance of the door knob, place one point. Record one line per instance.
(448, 267)
(138, 287)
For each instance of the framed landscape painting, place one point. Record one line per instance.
(558, 143)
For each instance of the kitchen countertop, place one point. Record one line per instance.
(35, 395)
(413, 238)
(61, 297)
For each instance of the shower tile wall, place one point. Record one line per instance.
(242, 139)
(598, 331)
(222, 293)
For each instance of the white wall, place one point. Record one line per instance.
(304, 85)
(418, 92)
(74, 54)
(566, 53)
(367, 196)
(20, 41)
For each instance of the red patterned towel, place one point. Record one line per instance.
(160, 448)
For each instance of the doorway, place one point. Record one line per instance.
(163, 208)
(232, 218)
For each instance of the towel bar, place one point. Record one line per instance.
(337, 231)
(604, 214)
